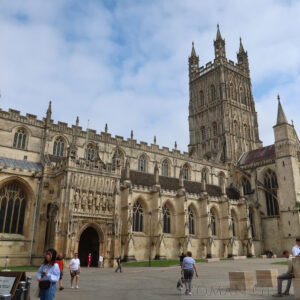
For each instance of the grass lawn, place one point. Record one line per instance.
(156, 263)
(22, 268)
(280, 263)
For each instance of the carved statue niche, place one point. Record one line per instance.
(104, 203)
(76, 199)
(90, 200)
(110, 203)
(83, 200)
(97, 201)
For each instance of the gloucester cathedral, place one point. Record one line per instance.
(83, 191)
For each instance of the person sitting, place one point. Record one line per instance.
(286, 276)
(296, 248)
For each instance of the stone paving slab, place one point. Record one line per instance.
(160, 283)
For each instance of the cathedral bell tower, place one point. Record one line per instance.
(222, 116)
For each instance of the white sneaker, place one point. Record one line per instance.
(190, 293)
(77, 287)
(72, 287)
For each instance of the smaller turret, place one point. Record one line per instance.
(242, 57)
(193, 61)
(219, 45)
(49, 112)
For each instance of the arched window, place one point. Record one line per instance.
(20, 139)
(118, 159)
(221, 179)
(235, 127)
(215, 128)
(201, 98)
(242, 95)
(191, 221)
(246, 186)
(186, 172)
(203, 135)
(142, 163)
(245, 131)
(137, 224)
(204, 175)
(271, 186)
(90, 152)
(212, 92)
(233, 224)
(167, 219)
(58, 147)
(213, 223)
(12, 208)
(165, 168)
(232, 91)
(251, 220)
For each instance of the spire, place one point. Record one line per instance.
(241, 46)
(106, 128)
(219, 44)
(49, 111)
(219, 37)
(77, 121)
(281, 118)
(193, 53)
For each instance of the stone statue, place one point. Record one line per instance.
(90, 200)
(76, 199)
(83, 200)
(97, 201)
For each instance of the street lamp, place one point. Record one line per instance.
(150, 238)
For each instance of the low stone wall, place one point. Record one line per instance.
(296, 280)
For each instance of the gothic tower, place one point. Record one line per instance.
(222, 116)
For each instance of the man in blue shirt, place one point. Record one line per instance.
(296, 248)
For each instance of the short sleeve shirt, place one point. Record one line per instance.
(75, 263)
(296, 250)
(188, 263)
(101, 258)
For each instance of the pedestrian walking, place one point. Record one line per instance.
(187, 269)
(75, 270)
(119, 267)
(101, 261)
(48, 275)
(89, 259)
(60, 262)
(181, 257)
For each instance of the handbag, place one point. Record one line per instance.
(44, 284)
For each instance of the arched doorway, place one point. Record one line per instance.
(89, 243)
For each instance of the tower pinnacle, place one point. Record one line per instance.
(281, 118)
(241, 46)
(219, 37)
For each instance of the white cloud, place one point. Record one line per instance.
(127, 65)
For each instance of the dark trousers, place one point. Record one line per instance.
(119, 267)
(282, 277)
(188, 277)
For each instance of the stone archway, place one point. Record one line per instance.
(89, 243)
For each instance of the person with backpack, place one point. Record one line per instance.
(47, 276)
(119, 267)
(187, 269)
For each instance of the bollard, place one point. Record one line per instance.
(22, 289)
(27, 292)
(5, 297)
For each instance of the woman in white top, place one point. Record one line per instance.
(47, 276)
(188, 267)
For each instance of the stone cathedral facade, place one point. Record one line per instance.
(83, 191)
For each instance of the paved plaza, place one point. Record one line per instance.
(160, 283)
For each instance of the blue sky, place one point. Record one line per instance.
(125, 62)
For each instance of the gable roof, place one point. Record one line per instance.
(172, 184)
(20, 164)
(264, 153)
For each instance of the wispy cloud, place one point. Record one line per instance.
(125, 62)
